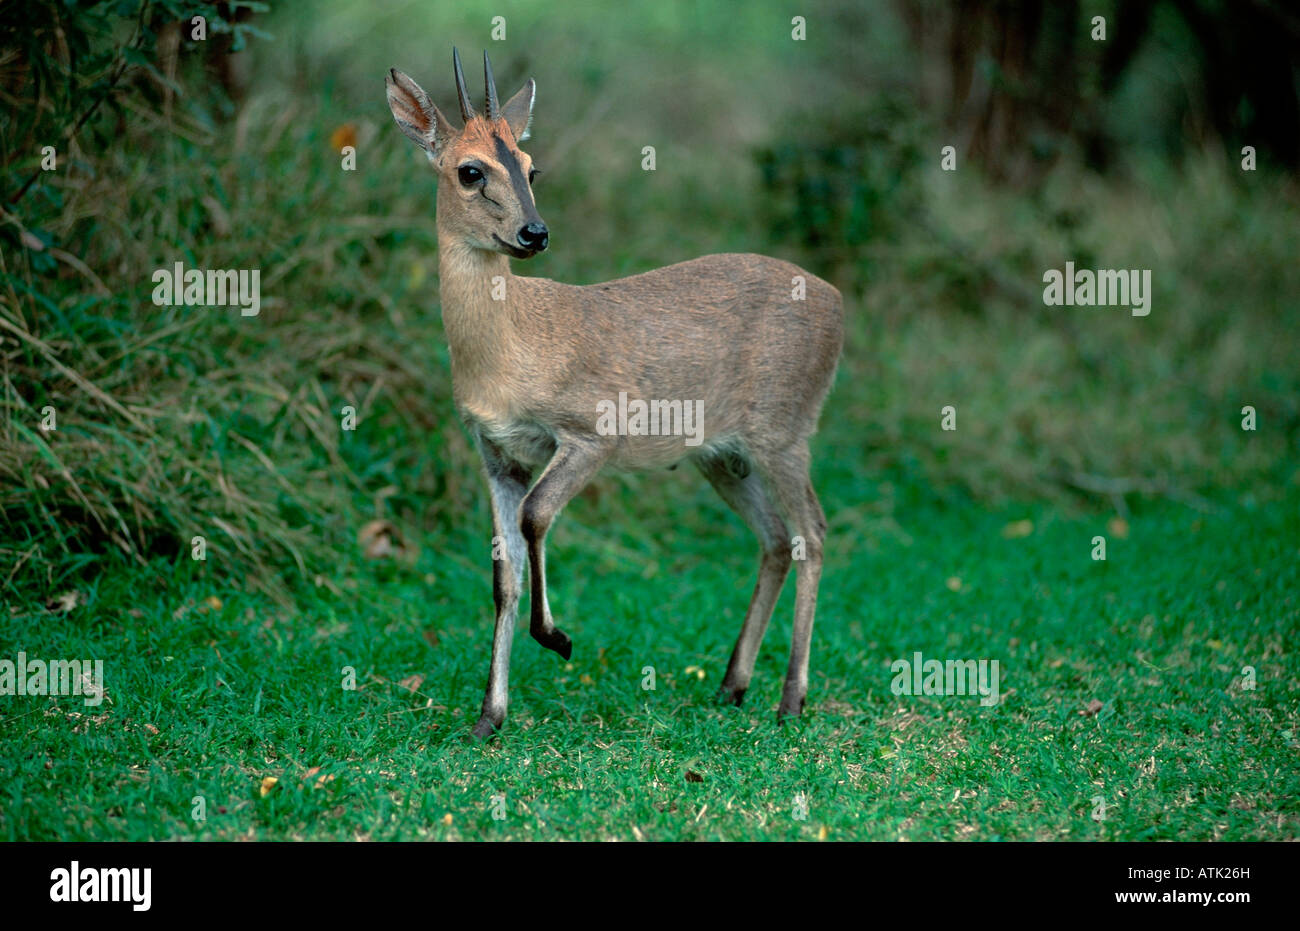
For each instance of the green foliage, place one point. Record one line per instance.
(213, 698)
(177, 422)
(838, 183)
(70, 64)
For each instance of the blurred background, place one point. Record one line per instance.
(224, 152)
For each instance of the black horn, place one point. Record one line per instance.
(466, 111)
(493, 107)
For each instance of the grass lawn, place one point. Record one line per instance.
(213, 693)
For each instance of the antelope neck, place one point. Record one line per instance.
(480, 330)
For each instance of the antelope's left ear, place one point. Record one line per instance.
(518, 110)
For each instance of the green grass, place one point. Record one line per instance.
(212, 702)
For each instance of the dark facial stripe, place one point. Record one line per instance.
(517, 179)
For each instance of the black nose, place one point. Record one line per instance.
(534, 237)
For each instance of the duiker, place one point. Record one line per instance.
(542, 374)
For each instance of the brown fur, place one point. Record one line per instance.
(529, 372)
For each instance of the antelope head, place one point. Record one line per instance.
(484, 178)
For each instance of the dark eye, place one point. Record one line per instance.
(532, 174)
(469, 175)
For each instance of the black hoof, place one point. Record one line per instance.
(730, 696)
(790, 708)
(486, 727)
(555, 639)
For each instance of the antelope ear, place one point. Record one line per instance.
(518, 111)
(415, 113)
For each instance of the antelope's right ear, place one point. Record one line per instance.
(415, 113)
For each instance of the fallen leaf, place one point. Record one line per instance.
(953, 583)
(344, 135)
(62, 604)
(412, 682)
(447, 819)
(823, 833)
(693, 776)
(1117, 527)
(151, 729)
(268, 783)
(1093, 707)
(321, 781)
(1017, 529)
(380, 539)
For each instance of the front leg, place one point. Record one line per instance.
(575, 463)
(508, 484)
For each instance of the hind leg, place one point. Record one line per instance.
(749, 498)
(786, 473)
